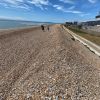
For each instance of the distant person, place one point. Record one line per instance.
(48, 28)
(42, 27)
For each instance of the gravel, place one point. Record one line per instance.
(50, 65)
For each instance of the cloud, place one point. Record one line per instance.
(58, 7)
(85, 14)
(14, 18)
(71, 8)
(68, 10)
(5, 5)
(68, 1)
(92, 1)
(39, 3)
(25, 4)
(73, 11)
(13, 1)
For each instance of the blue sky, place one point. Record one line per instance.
(50, 10)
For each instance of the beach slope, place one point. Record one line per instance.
(47, 65)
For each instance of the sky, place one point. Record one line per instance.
(50, 10)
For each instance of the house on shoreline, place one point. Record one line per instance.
(93, 23)
(98, 17)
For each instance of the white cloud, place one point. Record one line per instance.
(58, 7)
(71, 8)
(73, 11)
(68, 1)
(39, 3)
(92, 1)
(5, 5)
(25, 3)
(24, 6)
(85, 14)
(13, 1)
(15, 18)
(68, 10)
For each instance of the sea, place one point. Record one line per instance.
(9, 24)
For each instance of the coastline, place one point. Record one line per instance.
(18, 28)
(23, 27)
(4, 32)
(13, 25)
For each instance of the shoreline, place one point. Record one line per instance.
(26, 27)
(4, 32)
(18, 28)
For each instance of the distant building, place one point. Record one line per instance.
(75, 23)
(93, 23)
(71, 23)
(98, 16)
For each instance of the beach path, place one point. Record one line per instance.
(47, 65)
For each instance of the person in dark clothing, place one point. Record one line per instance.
(48, 28)
(42, 27)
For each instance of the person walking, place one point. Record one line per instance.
(48, 28)
(42, 27)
